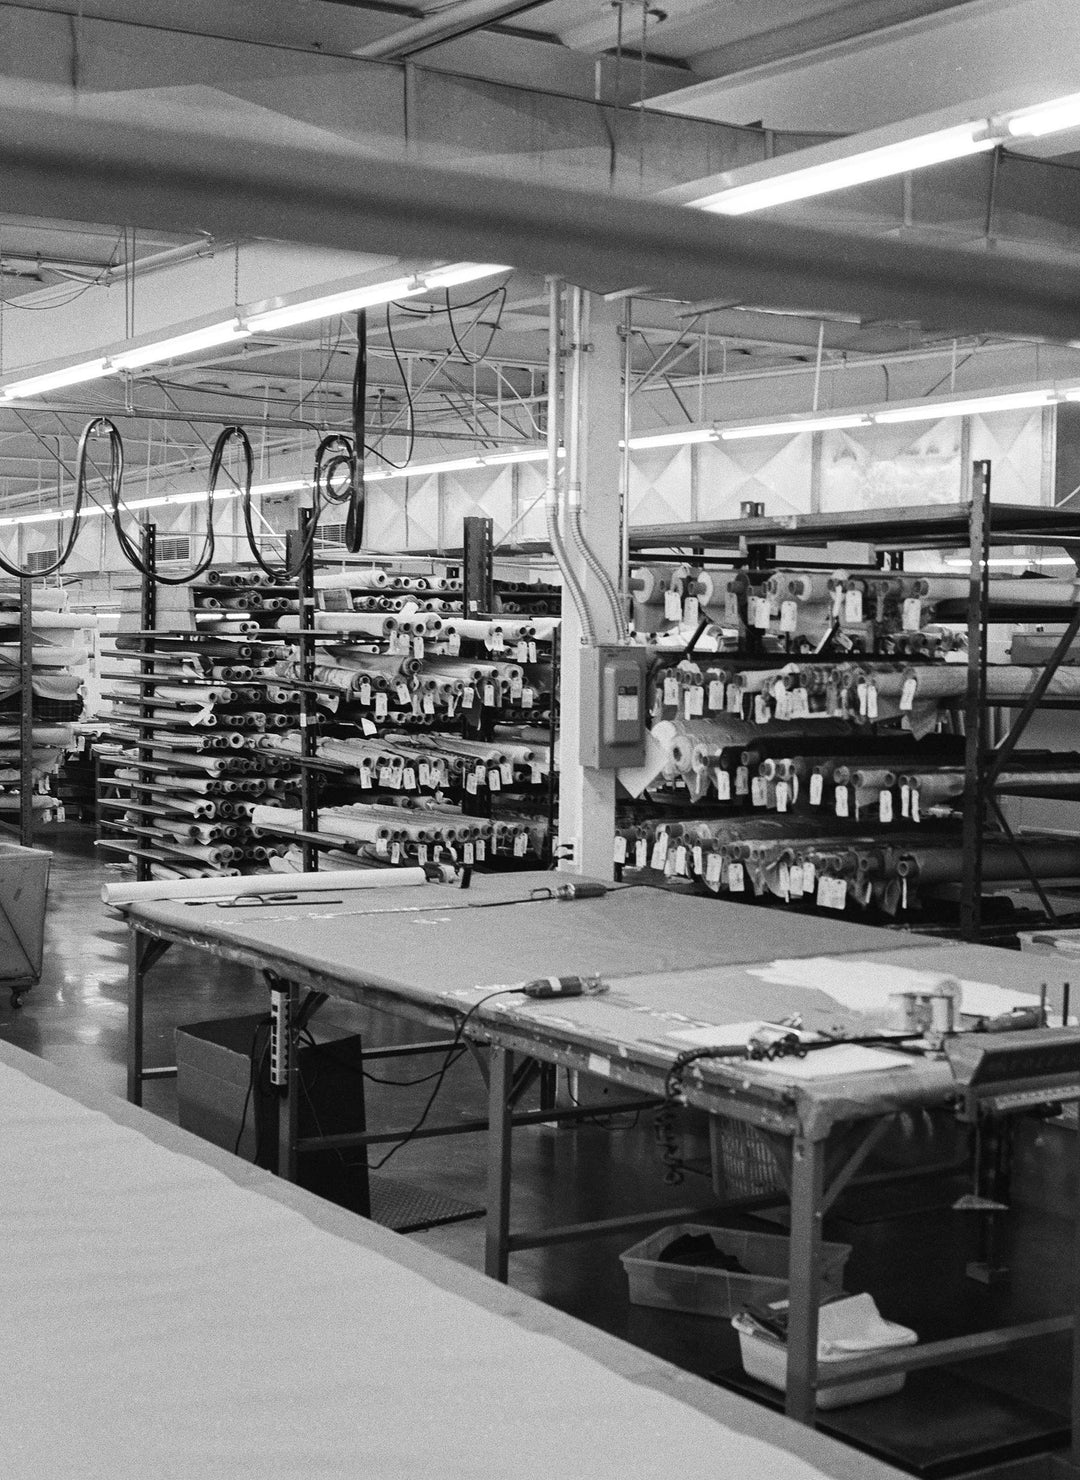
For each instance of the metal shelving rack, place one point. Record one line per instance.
(980, 526)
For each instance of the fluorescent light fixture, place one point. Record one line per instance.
(789, 428)
(800, 183)
(1016, 564)
(673, 439)
(208, 337)
(421, 470)
(53, 380)
(1045, 118)
(936, 410)
(366, 297)
(533, 454)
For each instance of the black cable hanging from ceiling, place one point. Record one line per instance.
(116, 466)
(354, 522)
(131, 551)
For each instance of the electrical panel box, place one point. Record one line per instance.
(613, 706)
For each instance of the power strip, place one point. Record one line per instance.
(280, 1035)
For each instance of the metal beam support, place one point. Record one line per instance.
(26, 713)
(587, 795)
(975, 710)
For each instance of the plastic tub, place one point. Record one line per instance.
(765, 1358)
(701, 1291)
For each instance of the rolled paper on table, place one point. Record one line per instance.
(120, 894)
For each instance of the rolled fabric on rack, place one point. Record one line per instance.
(1047, 858)
(367, 579)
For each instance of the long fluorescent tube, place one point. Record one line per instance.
(53, 380)
(674, 439)
(533, 454)
(1021, 563)
(797, 183)
(1045, 118)
(789, 428)
(172, 348)
(366, 297)
(936, 411)
(200, 496)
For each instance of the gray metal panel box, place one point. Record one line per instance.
(613, 706)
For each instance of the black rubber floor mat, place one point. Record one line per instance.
(407, 1209)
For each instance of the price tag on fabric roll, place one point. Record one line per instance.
(795, 881)
(853, 606)
(620, 848)
(418, 648)
(688, 703)
(817, 788)
(451, 705)
(671, 689)
(536, 775)
(481, 850)
(736, 878)
(489, 696)
(783, 881)
(680, 861)
(842, 802)
(911, 620)
(672, 606)
(367, 727)
(794, 785)
(691, 611)
(494, 779)
(907, 694)
(427, 703)
(659, 852)
(470, 783)
(381, 706)
(885, 807)
(365, 692)
(496, 643)
(800, 703)
(527, 698)
(532, 652)
(760, 613)
(809, 877)
(742, 781)
(789, 616)
(861, 692)
(734, 699)
(758, 792)
(781, 702)
(698, 858)
(837, 894)
(822, 897)
(506, 771)
(723, 784)
(713, 867)
(424, 774)
(871, 702)
(421, 853)
(905, 801)
(453, 645)
(837, 601)
(641, 853)
(365, 780)
(395, 852)
(468, 853)
(521, 844)
(916, 815)
(731, 607)
(408, 779)
(783, 796)
(467, 697)
(716, 693)
(521, 652)
(382, 846)
(516, 687)
(761, 710)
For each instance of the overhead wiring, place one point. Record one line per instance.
(117, 508)
(116, 468)
(354, 522)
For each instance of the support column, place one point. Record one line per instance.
(587, 796)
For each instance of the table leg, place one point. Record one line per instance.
(136, 941)
(500, 1127)
(1074, 1449)
(289, 1079)
(804, 1277)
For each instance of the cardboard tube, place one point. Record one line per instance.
(121, 894)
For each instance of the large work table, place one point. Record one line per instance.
(170, 1311)
(676, 966)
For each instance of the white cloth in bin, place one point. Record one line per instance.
(856, 1325)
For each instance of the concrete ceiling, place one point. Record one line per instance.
(511, 87)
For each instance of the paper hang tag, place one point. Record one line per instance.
(907, 694)
(688, 703)
(713, 866)
(521, 652)
(365, 780)
(837, 601)
(382, 846)
(734, 699)
(468, 853)
(620, 848)
(761, 710)
(817, 788)
(781, 702)
(521, 844)
(789, 616)
(536, 775)
(842, 807)
(494, 780)
(731, 608)
(916, 815)
(527, 698)
(381, 706)
(871, 702)
(716, 693)
(783, 796)
(365, 692)
(467, 697)
(794, 790)
(742, 781)
(470, 783)
(760, 613)
(404, 693)
(691, 611)
(680, 861)
(795, 881)
(736, 878)
(418, 648)
(489, 696)
(696, 701)
(672, 606)
(532, 651)
(809, 877)
(368, 728)
(671, 690)
(481, 850)
(905, 801)
(723, 784)
(641, 853)
(758, 795)
(885, 807)
(853, 607)
(783, 881)
(697, 858)
(911, 620)
(861, 691)
(427, 703)
(408, 779)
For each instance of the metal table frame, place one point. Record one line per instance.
(829, 1142)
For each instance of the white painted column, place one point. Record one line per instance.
(587, 796)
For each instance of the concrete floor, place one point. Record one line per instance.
(914, 1265)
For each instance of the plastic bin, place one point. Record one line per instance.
(701, 1291)
(765, 1358)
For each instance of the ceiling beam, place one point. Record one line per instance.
(446, 24)
(86, 159)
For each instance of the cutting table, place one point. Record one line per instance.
(176, 1311)
(675, 964)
